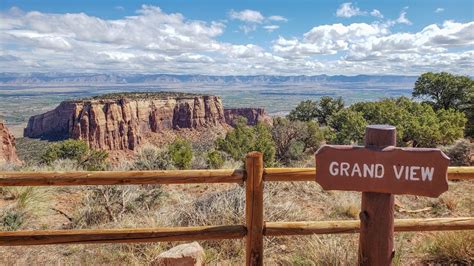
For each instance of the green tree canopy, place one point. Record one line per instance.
(443, 90)
(304, 111)
(316, 110)
(417, 124)
(244, 139)
(327, 107)
(348, 127)
(294, 138)
(447, 91)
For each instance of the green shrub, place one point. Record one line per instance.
(78, 151)
(152, 158)
(304, 111)
(417, 124)
(12, 219)
(181, 153)
(459, 153)
(25, 204)
(215, 159)
(244, 139)
(451, 125)
(293, 139)
(349, 127)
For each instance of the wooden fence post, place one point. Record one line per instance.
(376, 216)
(254, 209)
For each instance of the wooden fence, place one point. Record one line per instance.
(253, 231)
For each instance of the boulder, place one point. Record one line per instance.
(191, 254)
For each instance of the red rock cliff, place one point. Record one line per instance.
(253, 116)
(120, 123)
(7, 146)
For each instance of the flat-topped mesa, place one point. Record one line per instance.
(253, 116)
(119, 121)
(7, 146)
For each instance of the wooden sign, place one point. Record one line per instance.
(391, 170)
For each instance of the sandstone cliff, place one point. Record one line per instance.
(253, 115)
(7, 146)
(122, 121)
(117, 123)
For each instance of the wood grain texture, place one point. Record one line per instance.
(120, 177)
(49, 237)
(173, 177)
(376, 229)
(377, 209)
(353, 226)
(159, 234)
(254, 209)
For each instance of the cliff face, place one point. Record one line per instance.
(7, 146)
(116, 124)
(253, 116)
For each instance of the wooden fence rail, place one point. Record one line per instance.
(165, 234)
(81, 178)
(253, 231)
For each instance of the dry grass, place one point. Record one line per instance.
(318, 250)
(23, 207)
(448, 248)
(204, 204)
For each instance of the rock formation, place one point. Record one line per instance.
(119, 123)
(7, 148)
(253, 115)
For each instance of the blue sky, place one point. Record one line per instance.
(238, 37)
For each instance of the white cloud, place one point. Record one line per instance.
(277, 18)
(271, 28)
(159, 42)
(247, 28)
(328, 39)
(439, 10)
(402, 19)
(252, 18)
(375, 45)
(247, 15)
(376, 13)
(347, 10)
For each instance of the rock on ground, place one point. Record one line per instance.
(182, 255)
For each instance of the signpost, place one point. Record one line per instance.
(379, 170)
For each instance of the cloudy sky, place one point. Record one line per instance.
(237, 37)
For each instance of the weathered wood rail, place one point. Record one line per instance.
(81, 178)
(253, 231)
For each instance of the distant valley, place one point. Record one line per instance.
(24, 95)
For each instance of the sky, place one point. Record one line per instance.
(237, 37)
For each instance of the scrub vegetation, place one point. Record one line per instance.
(442, 119)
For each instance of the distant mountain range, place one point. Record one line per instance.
(150, 79)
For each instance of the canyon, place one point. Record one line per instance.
(121, 121)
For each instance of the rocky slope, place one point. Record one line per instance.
(7, 146)
(253, 115)
(120, 121)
